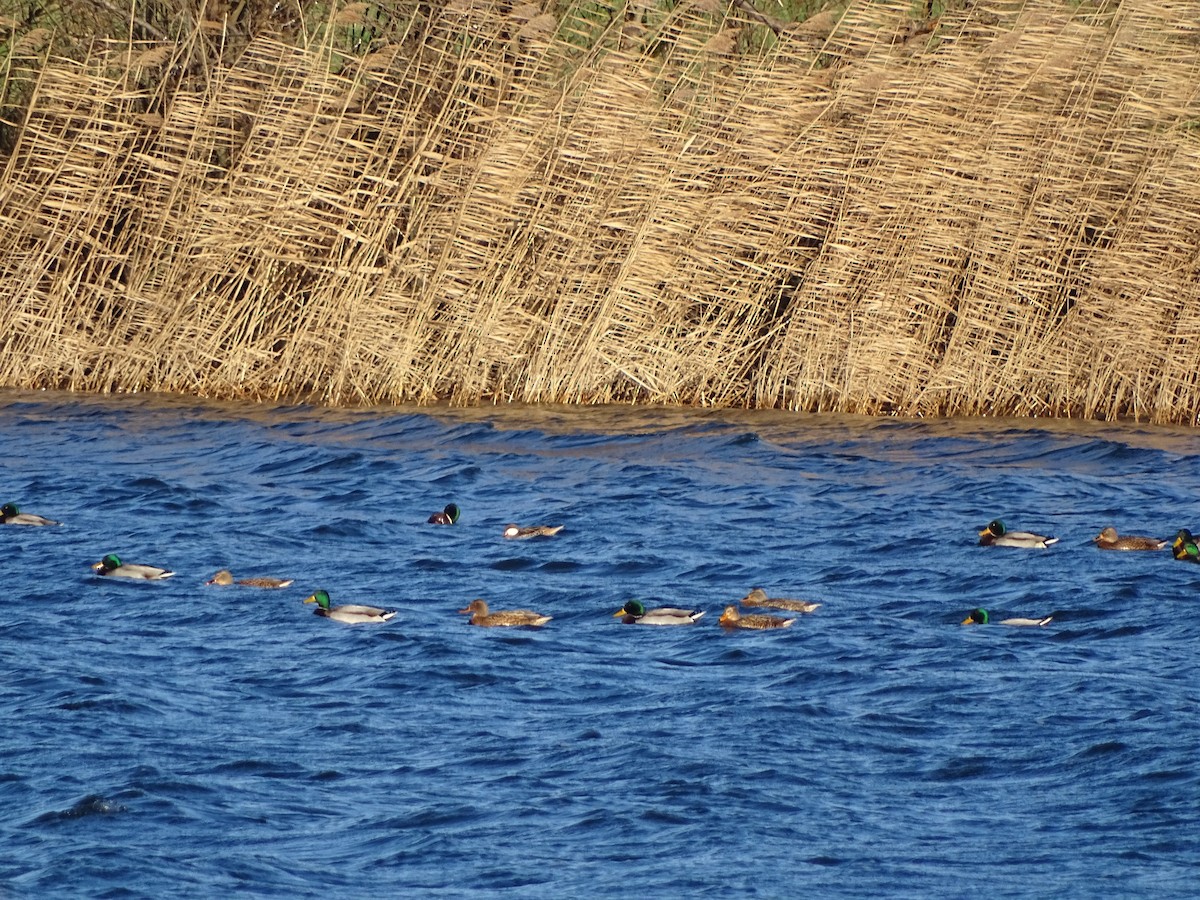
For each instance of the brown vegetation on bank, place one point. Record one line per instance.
(996, 211)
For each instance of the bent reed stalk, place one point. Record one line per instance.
(995, 212)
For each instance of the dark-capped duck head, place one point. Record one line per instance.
(993, 529)
(1184, 545)
(9, 511)
(321, 598)
(447, 516)
(977, 617)
(110, 562)
(633, 609)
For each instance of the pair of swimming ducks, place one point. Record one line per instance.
(995, 534)
(450, 514)
(112, 566)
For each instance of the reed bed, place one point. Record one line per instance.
(994, 212)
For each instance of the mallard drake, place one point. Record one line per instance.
(994, 534)
(1108, 540)
(635, 613)
(478, 610)
(348, 613)
(731, 618)
(1184, 548)
(447, 516)
(226, 577)
(758, 597)
(981, 617)
(112, 566)
(11, 515)
(516, 531)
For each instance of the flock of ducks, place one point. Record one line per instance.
(634, 612)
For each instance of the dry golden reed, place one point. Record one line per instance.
(994, 213)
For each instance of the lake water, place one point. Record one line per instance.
(174, 739)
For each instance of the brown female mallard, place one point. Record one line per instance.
(731, 618)
(532, 531)
(480, 615)
(758, 597)
(226, 577)
(1108, 540)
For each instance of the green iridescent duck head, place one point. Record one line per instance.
(1184, 546)
(633, 609)
(321, 598)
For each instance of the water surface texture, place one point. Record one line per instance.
(175, 739)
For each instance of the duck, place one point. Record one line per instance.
(447, 516)
(981, 617)
(1107, 539)
(478, 610)
(758, 597)
(112, 566)
(516, 531)
(635, 613)
(994, 534)
(226, 577)
(10, 514)
(348, 613)
(1184, 548)
(731, 618)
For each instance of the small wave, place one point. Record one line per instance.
(513, 564)
(1102, 749)
(91, 805)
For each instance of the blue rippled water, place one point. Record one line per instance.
(174, 739)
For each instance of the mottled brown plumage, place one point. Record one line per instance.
(516, 531)
(226, 577)
(480, 615)
(758, 597)
(1108, 540)
(731, 618)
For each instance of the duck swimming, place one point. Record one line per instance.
(1108, 540)
(731, 618)
(994, 534)
(226, 577)
(349, 613)
(502, 617)
(635, 613)
(758, 597)
(447, 516)
(516, 531)
(981, 617)
(112, 566)
(1184, 548)
(11, 515)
